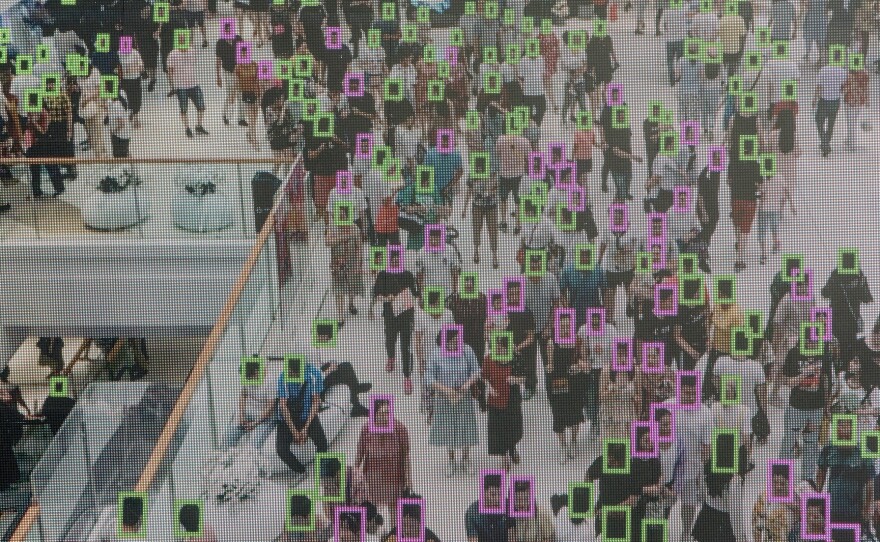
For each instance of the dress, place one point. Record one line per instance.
(384, 465)
(619, 410)
(454, 424)
(565, 390)
(347, 266)
(504, 419)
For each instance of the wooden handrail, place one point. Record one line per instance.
(27, 521)
(195, 376)
(83, 348)
(205, 356)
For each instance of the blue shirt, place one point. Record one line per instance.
(313, 380)
(445, 165)
(584, 287)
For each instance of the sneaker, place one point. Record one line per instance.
(407, 386)
(225, 120)
(352, 309)
(360, 411)
(189, 133)
(201, 130)
(465, 467)
(389, 365)
(5, 207)
(242, 122)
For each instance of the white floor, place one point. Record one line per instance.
(836, 201)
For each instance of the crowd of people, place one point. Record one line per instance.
(408, 117)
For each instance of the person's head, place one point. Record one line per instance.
(470, 284)
(688, 389)
(694, 50)
(394, 259)
(382, 412)
(411, 520)
(492, 491)
(682, 199)
(331, 474)
(374, 518)
(565, 325)
(350, 526)
(522, 495)
(667, 301)
(643, 439)
(780, 480)
(190, 517)
(514, 291)
(616, 455)
(664, 421)
(324, 332)
(132, 514)
(815, 516)
(435, 239)
(300, 509)
(845, 430)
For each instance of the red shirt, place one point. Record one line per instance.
(497, 374)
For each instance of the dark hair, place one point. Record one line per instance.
(522, 485)
(558, 502)
(300, 506)
(189, 517)
(330, 467)
(132, 510)
(492, 480)
(689, 380)
(780, 470)
(411, 510)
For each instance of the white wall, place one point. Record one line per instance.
(98, 288)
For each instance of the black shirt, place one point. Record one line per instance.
(845, 294)
(392, 284)
(337, 62)
(692, 321)
(708, 185)
(811, 394)
(613, 488)
(225, 51)
(521, 323)
(619, 138)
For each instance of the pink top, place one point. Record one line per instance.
(583, 145)
(385, 458)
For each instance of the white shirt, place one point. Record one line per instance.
(437, 267)
(538, 235)
(132, 64)
(618, 260)
(428, 326)
(779, 71)
(532, 72)
(120, 125)
(406, 143)
(258, 397)
(356, 197)
(599, 346)
(407, 74)
(705, 26)
(680, 223)
(676, 21)
(694, 430)
(831, 79)
(667, 168)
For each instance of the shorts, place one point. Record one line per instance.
(507, 185)
(184, 95)
(743, 214)
(768, 221)
(194, 18)
(622, 278)
(248, 98)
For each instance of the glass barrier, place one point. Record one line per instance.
(145, 198)
(188, 446)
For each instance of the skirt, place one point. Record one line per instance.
(713, 526)
(348, 267)
(504, 426)
(454, 425)
(743, 214)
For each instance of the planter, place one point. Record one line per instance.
(202, 213)
(115, 211)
